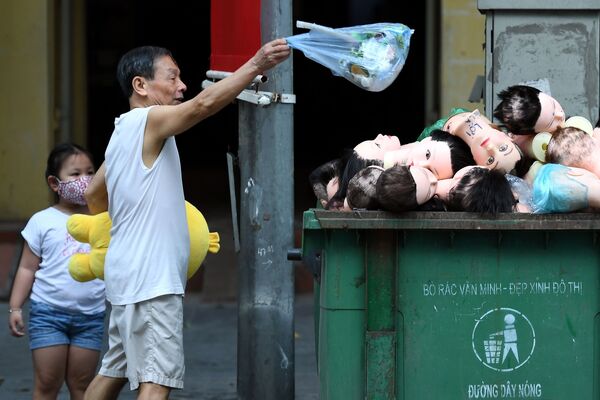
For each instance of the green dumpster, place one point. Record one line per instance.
(426, 305)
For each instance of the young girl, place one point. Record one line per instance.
(66, 318)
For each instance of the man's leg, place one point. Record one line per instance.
(104, 388)
(155, 357)
(112, 377)
(153, 391)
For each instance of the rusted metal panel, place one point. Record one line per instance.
(532, 41)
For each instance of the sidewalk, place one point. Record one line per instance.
(210, 340)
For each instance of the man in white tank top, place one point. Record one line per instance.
(140, 185)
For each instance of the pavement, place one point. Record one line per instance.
(210, 342)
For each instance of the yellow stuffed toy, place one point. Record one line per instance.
(95, 230)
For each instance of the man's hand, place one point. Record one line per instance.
(271, 54)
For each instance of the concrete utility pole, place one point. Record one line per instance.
(266, 278)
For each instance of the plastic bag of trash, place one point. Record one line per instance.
(522, 190)
(370, 56)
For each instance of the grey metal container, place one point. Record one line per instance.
(529, 40)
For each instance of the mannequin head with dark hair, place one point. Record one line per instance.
(441, 153)
(525, 110)
(364, 154)
(481, 190)
(361, 191)
(403, 188)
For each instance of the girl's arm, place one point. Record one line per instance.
(28, 265)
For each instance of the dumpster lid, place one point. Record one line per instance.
(417, 220)
(537, 5)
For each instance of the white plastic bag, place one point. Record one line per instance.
(370, 56)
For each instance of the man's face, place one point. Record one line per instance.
(166, 88)
(430, 154)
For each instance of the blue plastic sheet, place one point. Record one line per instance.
(370, 56)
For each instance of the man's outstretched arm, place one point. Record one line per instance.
(165, 121)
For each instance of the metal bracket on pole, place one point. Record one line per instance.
(252, 95)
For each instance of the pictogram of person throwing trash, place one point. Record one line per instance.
(509, 335)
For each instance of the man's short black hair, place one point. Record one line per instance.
(138, 62)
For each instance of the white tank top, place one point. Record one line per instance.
(150, 246)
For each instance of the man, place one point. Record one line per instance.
(140, 185)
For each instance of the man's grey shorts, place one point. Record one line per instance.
(145, 342)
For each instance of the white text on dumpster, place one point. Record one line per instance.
(498, 288)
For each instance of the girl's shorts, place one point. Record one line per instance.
(53, 326)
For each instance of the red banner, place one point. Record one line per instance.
(234, 33)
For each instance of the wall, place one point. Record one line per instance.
(462, 53)
(26, 123)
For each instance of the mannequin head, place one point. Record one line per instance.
(525, 110)
(376, 148)
(403, 188)
(552, 115)
(353, 162)
(441, 153)
(440, 123)
(558, 188)
(445, 186)
(457, 120)
(495, 150)
(573, 147)
(324, 179)
(361, 188)
(425, 184)
(483, 191)
(490, 147)
(332, 187)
